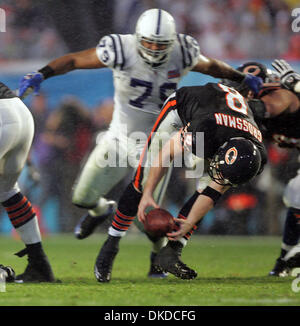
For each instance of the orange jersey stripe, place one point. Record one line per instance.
(158, 120)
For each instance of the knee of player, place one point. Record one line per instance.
(82, 202)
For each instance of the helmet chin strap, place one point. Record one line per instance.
(147, 58)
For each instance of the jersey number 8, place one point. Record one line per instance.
(235, 101)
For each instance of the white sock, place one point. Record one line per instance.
(115, 233)
(156, 246)
(30, 232)
(101, 208)
(292, 252)
(183, 241)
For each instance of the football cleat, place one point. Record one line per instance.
(280, 269)
(37, 270)
(105, 259)
(168, 259)
(155, 270)
(294, 261)
(87, 224)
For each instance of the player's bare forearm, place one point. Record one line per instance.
(279, 101)
(200, 208)
(217, 68)
(162, 162)
(86, 59)
(204, 204)
(157, 171)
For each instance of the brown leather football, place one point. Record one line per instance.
(158, 222)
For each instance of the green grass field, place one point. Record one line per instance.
(232, 271)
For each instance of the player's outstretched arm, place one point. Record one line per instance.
(201, 207)
(160, 165)
(220, 69)
(86, 59)
(279, 101)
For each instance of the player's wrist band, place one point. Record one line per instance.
(47, 72)
(211, 193)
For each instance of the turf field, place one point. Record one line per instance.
(231, 272)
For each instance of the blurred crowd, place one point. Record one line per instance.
(30, 33)
(63, 138)
(228, 29)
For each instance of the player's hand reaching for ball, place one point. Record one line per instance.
(184, 227)
(146, 201)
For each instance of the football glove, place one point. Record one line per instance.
(288, 77)
(30, 83)
(253, 82)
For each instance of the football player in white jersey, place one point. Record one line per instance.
(147, 67)
(16, 134)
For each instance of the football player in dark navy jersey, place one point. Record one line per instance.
(219, 112)
(232, 144)
(277, 111)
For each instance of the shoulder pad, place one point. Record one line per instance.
(110, 51)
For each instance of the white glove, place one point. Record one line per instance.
(288, 77)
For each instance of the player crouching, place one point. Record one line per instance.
(234, 151)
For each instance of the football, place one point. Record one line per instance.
(158, 222)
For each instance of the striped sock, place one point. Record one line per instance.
(23, 218)
(121, 222)
(126, 212)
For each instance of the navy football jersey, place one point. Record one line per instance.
(283, 129)
(220, 113)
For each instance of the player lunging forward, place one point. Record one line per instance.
(147, 68)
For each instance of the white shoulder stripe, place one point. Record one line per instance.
(189, 57)
(186, 60)
(190, 50)
(119, 51)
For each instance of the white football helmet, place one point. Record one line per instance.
(155, 34)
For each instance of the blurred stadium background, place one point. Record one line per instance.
(72, 109)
